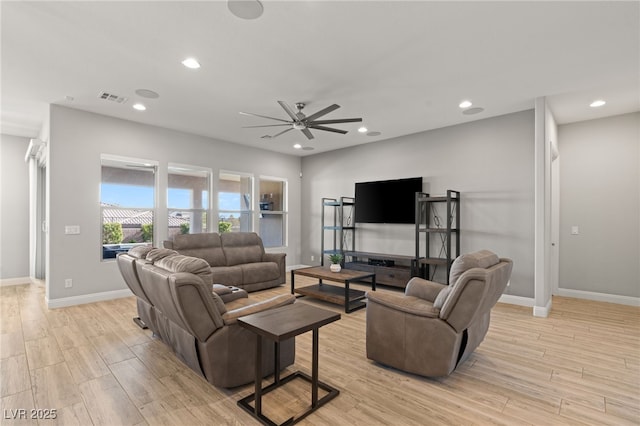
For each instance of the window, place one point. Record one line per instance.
(127, 204)
(235, 195)
(187, 200)
(273, 211)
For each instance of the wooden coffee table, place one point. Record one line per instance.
(351, 299)
(278, 325)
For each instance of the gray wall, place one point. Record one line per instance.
(77, 139)
(490, 161)
(14, 208)
(600, 193)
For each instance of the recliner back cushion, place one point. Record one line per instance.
(181, 263)
(158, 253)
(479, 259)
(242, 247)
(206, 246)
(139, 252)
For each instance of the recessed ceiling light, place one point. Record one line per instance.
(139, 107)
(191, 63)
(297, 146)
(374, 134)
(472, 111)
(465, 104)
(246, 9)
(308, 148)
(596, 104)
(363, 129)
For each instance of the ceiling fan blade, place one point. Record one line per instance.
(327, 129)
(322, 112)
(267, 125)
(284, 131)
(307, 133)
(338, 120)
(288, 110)
(263, 116)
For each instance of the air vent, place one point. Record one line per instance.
(111, 97)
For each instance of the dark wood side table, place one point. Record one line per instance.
(278, 325)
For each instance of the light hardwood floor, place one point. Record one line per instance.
(93, 365)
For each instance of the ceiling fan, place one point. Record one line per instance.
(302, 122)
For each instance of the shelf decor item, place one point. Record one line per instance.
(335, 259)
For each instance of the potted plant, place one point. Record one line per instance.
(335, 259)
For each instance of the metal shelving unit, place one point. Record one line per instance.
(437, 233)
(337, 221)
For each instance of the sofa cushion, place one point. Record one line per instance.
(159, 253)
(206, 246)
(181, 263)
(242, 247)
(227, 275)
(259, 272)
(480, 259)
(139, 252)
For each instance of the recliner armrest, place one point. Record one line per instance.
(279, 259)
(230, 317)
(409, 304)
(273, 257)
(424, 289)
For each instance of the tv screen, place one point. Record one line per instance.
(387, 201)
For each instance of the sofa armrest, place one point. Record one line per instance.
(278, 258)
(408, 304)
(230, 317)
(424, 289)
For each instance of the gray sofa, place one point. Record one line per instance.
(235, 258)
(178, 303)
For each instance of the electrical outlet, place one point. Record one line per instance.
(313, 258)
(68, 283)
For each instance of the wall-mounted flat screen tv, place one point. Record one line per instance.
(387, 201)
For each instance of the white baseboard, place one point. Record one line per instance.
(538, 311)
(15, 281)
(87, 298)
(290, 268)
(516, 300)
(542, 311)
(599, 297)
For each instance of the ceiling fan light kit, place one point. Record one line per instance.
(302, 122)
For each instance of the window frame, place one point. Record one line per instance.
(207, 210)
(117, 161)
(284, 212)
(249, 213)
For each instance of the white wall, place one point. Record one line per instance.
(600, 193)
(14, 208)
(490, 161)
(77, 139)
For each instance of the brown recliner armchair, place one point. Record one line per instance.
(433, 328)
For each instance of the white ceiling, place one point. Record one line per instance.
(401, 66)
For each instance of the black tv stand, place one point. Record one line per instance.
(390, 269)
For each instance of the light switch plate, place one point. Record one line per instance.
(575, 230)
(72, 229)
